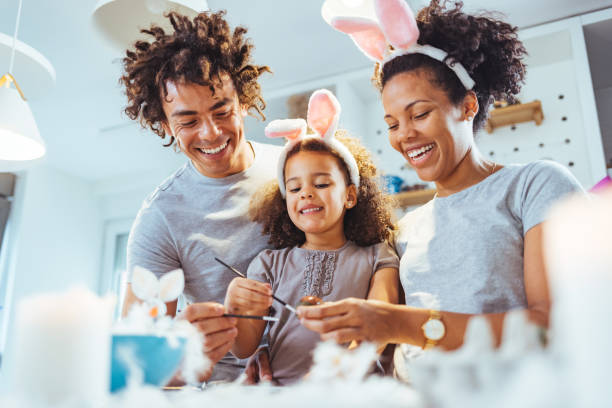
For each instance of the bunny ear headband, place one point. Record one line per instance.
(397, 27)
(323, 115)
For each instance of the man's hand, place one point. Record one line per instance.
(219, 332)
(258, 367)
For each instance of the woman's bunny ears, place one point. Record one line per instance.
(323, 115)
(397, 27)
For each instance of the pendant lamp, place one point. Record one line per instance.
(347, 8)
(120, 21)
(20, 141)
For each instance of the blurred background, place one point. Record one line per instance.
(65, 219)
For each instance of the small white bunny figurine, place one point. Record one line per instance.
(155, 293)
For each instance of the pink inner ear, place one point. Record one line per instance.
(397, 22)
(321, 112)
(365, 33)
(289, 134)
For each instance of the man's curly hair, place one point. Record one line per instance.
(198, 51)
(367, 223)
(489, 49)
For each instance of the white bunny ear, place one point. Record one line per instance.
(171, 285)
(291, 129)
(365, 33)
(323, 113)
(397, 23)
(144, 283)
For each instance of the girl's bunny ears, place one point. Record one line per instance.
(397, 27)
(323, 114)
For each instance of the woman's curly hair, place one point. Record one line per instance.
(367, 223)
(198, 51)
(489, 49)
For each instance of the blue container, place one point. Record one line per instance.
(155, 355)
(392, 184)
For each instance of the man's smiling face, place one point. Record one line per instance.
(209, 128)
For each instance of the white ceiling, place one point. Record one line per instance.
(81, 119)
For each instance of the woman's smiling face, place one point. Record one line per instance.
(430, 132)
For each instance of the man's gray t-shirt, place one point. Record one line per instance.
(465, 251)
(190, 219)
(329, 275)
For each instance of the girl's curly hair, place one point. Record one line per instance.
(198, 51)
(489, 49)
(367, 223)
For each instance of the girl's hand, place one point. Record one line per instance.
(248, 296)
(350, 320)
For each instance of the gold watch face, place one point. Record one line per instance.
(434, 329)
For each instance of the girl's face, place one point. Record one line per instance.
(430, 132)
(317, 194)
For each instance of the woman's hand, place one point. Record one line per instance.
(248, 296)
(351, 319)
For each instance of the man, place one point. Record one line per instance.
(195, 86)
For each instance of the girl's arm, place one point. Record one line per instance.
(247, 296)
(384, 285)
(373, 320)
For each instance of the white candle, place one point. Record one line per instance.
(63, 348)
(578, 249)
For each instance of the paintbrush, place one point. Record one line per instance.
(239, 316)
(242, 275)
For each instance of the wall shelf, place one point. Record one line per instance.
(413, 198)
(513, 114)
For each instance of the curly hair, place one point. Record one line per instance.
(367, 223)
(489, 50)
(198, 51)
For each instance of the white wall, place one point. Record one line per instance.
(55, 239)
(604, 109)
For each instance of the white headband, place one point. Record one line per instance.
(439, 55)
(323, 114)
(397, 27)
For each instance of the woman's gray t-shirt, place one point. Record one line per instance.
(464, 253)
(330, 275)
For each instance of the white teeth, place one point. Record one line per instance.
(215, 150)
(309, 210)
(414, 153)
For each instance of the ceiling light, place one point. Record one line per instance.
(347, 8)
(359, 8)
(20, 141)
(120, 21)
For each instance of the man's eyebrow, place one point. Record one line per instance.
(221, 103)
(217, 105)
(183, 113)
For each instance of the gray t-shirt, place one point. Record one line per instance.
(330, 275)
(190, 219)
(465, 251)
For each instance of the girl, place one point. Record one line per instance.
(476, 248)
(329, 222)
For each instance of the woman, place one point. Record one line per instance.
(476, 248)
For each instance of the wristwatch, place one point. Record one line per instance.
(433, 329)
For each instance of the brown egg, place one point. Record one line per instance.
(310, 301)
